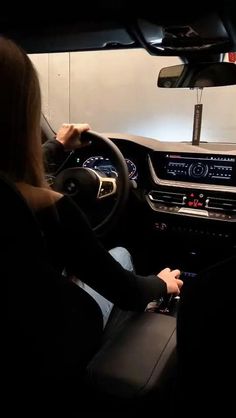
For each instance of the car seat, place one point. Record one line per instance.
(48, 320)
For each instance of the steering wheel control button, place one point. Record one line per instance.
(106, 188)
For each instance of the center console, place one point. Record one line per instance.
(192, 202)
(200, 185)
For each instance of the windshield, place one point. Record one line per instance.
(116, 91)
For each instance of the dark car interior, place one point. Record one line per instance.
(169, 203)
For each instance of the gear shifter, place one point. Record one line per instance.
(165, 305)
(168, 306)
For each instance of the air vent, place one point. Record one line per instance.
(227, 205)
(170, 198)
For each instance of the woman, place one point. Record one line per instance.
(60, 218)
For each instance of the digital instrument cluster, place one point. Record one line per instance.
(105, 165)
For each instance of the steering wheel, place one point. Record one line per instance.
(88, 186)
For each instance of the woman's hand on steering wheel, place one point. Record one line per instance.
(69, 135)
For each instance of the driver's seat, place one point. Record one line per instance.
(51, 325)
(46, 324)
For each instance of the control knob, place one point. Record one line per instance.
(198, 170)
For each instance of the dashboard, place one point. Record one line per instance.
(179, 194)
(172, 178)
(185, 207)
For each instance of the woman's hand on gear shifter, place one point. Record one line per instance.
(171, 278)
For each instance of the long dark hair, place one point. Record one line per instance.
(20, 110)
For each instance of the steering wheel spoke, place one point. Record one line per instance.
(107, 187)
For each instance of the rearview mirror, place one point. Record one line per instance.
(200, 75)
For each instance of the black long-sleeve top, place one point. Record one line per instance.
(54, 155)
(73, 245)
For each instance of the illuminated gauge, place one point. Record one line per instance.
(105, 165)
(102, 164)
(132, 169)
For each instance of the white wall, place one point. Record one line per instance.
(115, 91)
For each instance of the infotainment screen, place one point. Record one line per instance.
(196, 168)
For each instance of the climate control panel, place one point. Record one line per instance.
(194, 203)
